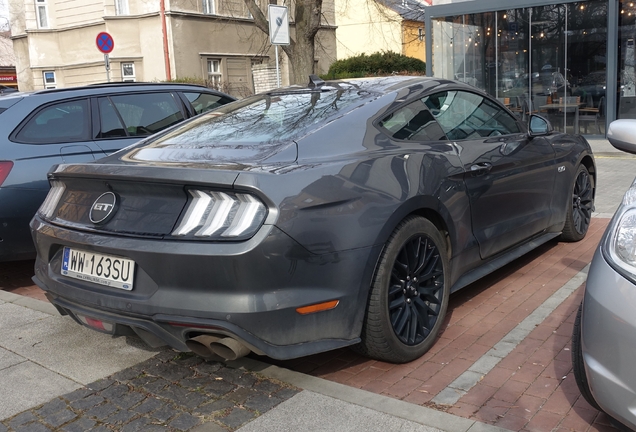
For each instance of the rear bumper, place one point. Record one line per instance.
(248, 290)
(609, 340)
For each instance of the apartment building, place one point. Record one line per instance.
(368, 26)
(154, 40)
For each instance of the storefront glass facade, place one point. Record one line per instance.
(550, 59)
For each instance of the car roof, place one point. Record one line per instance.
(380, 85)
(118, 87)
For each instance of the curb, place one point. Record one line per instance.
(397, 408)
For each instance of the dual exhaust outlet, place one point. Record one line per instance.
(214, 347)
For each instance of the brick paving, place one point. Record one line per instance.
(15, 277)
(531, 389)
(170, 392)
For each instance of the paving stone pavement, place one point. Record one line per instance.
(169, 392)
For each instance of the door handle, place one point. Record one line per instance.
(481, 168)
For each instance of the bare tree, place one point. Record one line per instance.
(301, 49)
(4, 16)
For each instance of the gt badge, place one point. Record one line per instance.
(103, 208)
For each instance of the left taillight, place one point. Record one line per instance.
(50, 203)
(5, 169)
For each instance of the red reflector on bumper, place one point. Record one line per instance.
(96, 324)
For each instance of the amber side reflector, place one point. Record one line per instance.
(318, 307)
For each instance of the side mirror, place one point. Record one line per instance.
(622, 135)
(538, 126)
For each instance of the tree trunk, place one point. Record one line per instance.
(301, 50)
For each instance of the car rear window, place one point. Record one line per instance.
(264, 118)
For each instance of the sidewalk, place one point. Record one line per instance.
(56, 375)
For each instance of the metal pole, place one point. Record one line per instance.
(277, 69)
(107, 65)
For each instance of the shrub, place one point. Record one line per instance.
(381, 63)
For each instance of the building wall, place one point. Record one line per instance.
(414, 44)
(69, 13)
(364, 26)
(68, 46)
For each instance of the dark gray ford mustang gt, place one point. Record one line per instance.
(309, 218)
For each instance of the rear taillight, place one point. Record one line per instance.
(49, 205)
(221, 216)
(5, 169)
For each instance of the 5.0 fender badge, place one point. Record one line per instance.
(103, 208)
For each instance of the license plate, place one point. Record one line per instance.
(98, 268)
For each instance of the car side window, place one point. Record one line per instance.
(413, 122)
(147, 113)
(203, 102)
(465, 115)
(110, 124)
(67, 121)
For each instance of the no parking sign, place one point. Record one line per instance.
(105, 43)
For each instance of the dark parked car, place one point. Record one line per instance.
(592, 86)
(6, 89)
(81, 124)
(604, 336)
(308, 219)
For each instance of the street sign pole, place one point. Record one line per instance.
(107, 65)
(278, 31)
(277, 68)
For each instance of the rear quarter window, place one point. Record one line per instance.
(66, 121)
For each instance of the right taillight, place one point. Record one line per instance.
(5, 169)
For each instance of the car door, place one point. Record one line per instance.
(123, 119)
(509, 176)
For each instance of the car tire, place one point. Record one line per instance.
(577, 362)
(579, 212)
(409, 294)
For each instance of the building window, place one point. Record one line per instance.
(128, 72)
(49, 79)
(121, 7)
(209, 7)
(214, 72)
(42, 13)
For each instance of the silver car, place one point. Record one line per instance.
(604, 337)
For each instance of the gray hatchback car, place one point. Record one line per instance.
(604, 337)
(80, 124)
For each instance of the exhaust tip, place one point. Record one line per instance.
(200, 345)
(229, 349)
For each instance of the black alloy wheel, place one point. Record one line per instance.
(409, 296)
(579, 214)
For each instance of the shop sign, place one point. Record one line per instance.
(8, 78)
